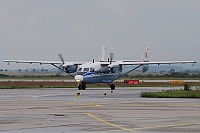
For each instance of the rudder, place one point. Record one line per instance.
(145, 59)
(103, 54)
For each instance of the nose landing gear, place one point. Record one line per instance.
(112, 86)
(81, 86)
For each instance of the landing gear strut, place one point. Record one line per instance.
(81, 86)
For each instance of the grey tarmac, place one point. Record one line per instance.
(123, 111)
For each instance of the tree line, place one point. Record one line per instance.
(170, 75)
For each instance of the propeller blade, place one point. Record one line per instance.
(111, 57)
(61, 58)
(61, 68)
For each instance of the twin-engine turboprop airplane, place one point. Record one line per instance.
(104, 71)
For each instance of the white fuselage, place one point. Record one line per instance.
(96, 73)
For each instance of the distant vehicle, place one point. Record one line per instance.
(104, 71)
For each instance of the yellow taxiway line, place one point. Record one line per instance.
(134, 130)
(108, 123)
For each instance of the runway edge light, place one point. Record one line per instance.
(78, 95)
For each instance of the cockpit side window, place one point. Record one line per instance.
(80, 69)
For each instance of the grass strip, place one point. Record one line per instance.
(172, 94)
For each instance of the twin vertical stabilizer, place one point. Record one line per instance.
(145, 59)
(103, 56)
(146, 54)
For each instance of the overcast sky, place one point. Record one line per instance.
(41, 29)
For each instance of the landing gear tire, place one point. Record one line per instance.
(112, 87)
(81, 86)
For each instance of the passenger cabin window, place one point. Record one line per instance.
(86, 69)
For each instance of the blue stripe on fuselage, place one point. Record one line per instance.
(94, 77)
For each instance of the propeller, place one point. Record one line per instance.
(61, 58)
(67, 68)
(61, 68)
(111, 57)
(110, 67)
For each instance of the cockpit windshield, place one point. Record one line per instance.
(82, 71)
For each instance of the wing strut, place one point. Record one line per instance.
(128, 72)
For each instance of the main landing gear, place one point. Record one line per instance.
(81, 86)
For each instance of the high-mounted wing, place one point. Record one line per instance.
(33, 62)
(68, 67)
(156, 62)
(145, 60)
(145, 64)
(43, 62)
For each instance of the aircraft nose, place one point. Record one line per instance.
(78, 78)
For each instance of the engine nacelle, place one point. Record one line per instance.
(145, 68)
(70, 68)
(116, 69)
